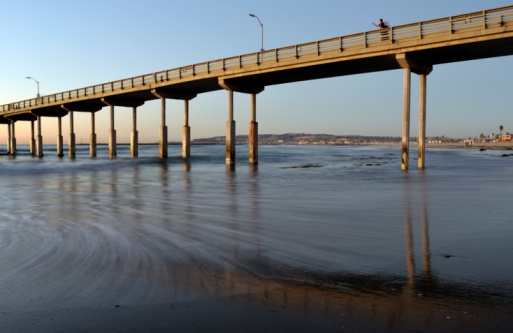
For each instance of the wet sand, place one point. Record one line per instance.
(315, 239)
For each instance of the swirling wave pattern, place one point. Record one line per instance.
(127, 244)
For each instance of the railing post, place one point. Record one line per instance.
(365, 38)
(484, 19)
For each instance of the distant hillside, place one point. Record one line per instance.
(301, 138)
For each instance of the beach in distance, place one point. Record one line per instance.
(314, 238)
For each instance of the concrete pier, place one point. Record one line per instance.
(422, 122)
(405, 155)
(413, 48)
(410, 65)
(230, 131)
(72, 143)
(9, 138)
(134, 149)
(186, 132)
(163, 127)
(32, 139)
(112, 135)
(92, 138)
(253, 133)
(60, 151)
(231, 86)
(13, 138)
(39, 138)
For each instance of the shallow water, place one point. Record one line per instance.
(315, 238)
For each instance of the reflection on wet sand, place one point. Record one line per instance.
(140, 259)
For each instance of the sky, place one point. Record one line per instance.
(67, 45)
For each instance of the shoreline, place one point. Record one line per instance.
(447, 145)
(456, 145)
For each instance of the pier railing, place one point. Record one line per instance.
(421, 30)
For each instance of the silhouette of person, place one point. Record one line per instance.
(382, 25)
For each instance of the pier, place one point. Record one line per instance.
(413, 48)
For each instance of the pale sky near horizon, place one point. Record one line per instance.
(73, 44)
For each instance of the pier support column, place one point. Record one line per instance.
(112, 135)
(134, 150)
(39, 138)
(60, 150)
(163, 129)
(186, 132)
(406, 119)
(72, 149)
(253, 133)
(32, 139)
(9, 138)
(422, 122)
(13, 138)
(230, 131)
(410, 64)
(92, 138)
(232, 85)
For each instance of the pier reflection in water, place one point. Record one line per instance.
(288, 244)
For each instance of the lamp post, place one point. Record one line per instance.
(28, 77)
(262, 31)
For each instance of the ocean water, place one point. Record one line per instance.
(313, 238)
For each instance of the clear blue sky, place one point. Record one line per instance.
(74, 44)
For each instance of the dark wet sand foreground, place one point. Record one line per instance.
(316, 239)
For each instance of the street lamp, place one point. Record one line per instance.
(262, 29)
(28, 77)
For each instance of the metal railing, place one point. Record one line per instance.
(421, 30)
